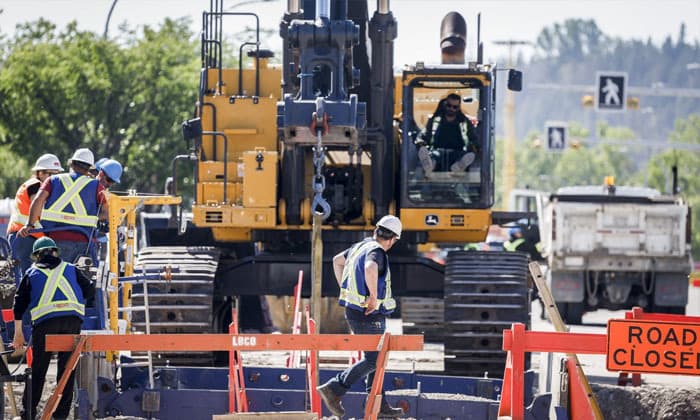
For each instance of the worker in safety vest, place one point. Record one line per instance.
(519, 243)
(449, 141)
(44, 167)
(109, 172)
(55, 292)
(73, 200)
(363, 274)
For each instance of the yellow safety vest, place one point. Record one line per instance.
(55, 281)
(353, 292)
(71, 196)
(513, 245)
(463, 129)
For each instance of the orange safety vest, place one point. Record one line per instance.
(20, 210)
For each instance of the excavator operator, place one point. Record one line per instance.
(449, 141)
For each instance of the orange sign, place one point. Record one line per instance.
(653, 347)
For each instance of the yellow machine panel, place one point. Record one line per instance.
(269, 82)
(247, 123)
(211, 193)
(448, 225)
(259, 179)
(210, 171)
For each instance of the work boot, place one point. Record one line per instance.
(425, 160)
(462, 164)
(388, 412)
(331, 400)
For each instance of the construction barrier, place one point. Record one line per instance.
(517, 341)
(651, 342)
(238, 342)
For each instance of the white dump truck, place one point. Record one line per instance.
(615, 247)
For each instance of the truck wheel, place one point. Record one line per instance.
(571, 312)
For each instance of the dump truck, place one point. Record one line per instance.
(615, 247)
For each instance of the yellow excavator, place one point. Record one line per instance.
(337, 139)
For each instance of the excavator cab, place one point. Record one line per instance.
(425, 91)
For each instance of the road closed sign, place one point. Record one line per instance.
(653, 347)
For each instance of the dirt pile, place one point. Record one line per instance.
(650, 402)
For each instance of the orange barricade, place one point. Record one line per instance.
(238, 400)
(637, 313)
(243, 342)
(517, 341)
(311, 371)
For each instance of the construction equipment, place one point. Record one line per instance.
(333, 149)
(616, 247)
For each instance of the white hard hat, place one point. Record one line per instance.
(391, 223)
(47, 162)
(83, 155)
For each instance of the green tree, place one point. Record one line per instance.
(15, 170)
(124, 98)
(580, 164)
(687, 160)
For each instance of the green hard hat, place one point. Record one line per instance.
(43, 243)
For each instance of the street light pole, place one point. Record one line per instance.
(509, 128)
(109, 16)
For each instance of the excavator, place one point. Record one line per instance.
(333, 148)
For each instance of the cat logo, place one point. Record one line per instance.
(432, 220)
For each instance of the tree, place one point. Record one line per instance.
(15, 170)
(687, 131)
(122, 98)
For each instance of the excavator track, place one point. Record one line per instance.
(485, 292)
(182, 304)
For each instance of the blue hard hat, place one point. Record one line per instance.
(515, 231)
(112, 169)
(98, 164)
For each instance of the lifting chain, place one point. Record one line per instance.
(319, 181)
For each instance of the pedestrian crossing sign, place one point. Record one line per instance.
(611, 91)
(557, 133)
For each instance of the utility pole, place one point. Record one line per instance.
(509, 128)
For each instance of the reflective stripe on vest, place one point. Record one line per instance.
(350, 290)
(20, 209)
(513, 245)
(463, 129)
(71, 195)
(55, 280)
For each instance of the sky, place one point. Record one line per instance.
(418, 20)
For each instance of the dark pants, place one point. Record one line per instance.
(22, 251)
(374, 324)
(69, 251)
(40, 363)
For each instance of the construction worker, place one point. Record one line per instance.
(109, 172)
(44, 167)
(363, 274)
(74, 201)
(95, 169)
(55, 292)
(449, 141)
(517, 242)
